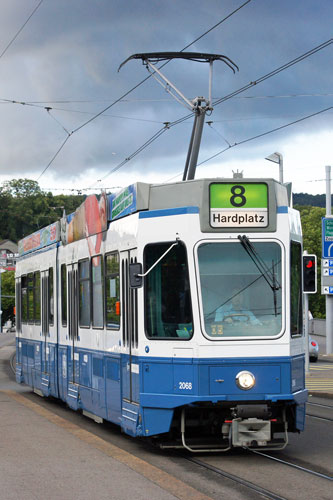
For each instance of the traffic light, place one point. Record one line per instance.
(309, 273)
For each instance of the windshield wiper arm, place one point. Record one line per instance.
(260, 264)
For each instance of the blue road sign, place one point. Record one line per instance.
(327, 237)
(327, 271)
(328, 263)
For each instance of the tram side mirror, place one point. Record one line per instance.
(135, 270)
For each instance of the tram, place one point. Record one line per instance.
(173, 310)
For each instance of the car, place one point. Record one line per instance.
(313, 349)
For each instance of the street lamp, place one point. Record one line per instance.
(277, 158)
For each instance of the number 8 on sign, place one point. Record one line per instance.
(238, 196)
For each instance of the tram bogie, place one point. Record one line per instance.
(174, 311)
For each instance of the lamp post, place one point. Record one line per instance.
(277, 158)
(1, 271)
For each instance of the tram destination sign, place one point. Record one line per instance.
(238, 205)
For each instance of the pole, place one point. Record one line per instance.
(306, 331)
(195, 146)
(306, 327)
(0, 304)
(329, 298)
(280, 167)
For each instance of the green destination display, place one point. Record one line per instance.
(238, 204)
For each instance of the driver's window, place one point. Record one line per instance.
(237, 299)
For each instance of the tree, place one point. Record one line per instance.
(7, 296)
(25, 208)
(25, 203)
(21, 188)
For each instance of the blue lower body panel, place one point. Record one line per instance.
(143, 394)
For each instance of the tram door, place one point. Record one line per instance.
(129, 324)
(73, 323)
(47, 307)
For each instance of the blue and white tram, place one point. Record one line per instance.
(173, 310)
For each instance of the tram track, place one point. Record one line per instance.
(319, 418)
(252, 486)
(320, 406)
(12, 362)
(237, 479)
(330, 407)
(292, 465)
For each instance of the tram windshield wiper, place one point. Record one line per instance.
(267, 274)
(264, 270)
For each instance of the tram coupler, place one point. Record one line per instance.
(250, 432)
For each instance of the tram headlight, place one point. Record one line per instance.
(245, 380)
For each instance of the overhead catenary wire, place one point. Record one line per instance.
(243, 89)
(230, 146)
(164, 64)
(176, 122)
(54, 156)
(268, 75)
(275, 71)
(19, 31)
(276, 129)
(136, 86)
(210, 124)
(135, 153)
(182, 119)
(42, 104)
(249, 139)
(52, 108)
(104, 188)
(56, 120)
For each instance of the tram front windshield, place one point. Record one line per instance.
(241, 291)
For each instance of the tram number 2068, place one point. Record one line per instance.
(185, 385)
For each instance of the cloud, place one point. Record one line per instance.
(67, 58)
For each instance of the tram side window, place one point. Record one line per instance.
(112, 291)
(63, 284)
(30, 298)
(18, 302)
(296, 316)
(37, 315)
(51, 297)
(24, 298)
(84, 293)
(30, 294)
(97, 291)
(168, 308)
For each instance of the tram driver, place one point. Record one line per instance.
(234, 311)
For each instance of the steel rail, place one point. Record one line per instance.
(290, 464)
(263, 491)
(11, 362)
(320, 418)
(321, 405)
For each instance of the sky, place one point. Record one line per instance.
(68, 118)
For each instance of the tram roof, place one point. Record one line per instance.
(94, 214)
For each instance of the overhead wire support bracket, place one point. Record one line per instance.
(198, 105)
